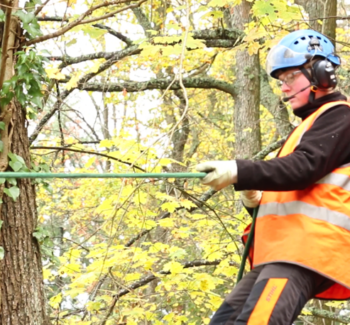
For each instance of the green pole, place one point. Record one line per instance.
(247, 245)
(108, 175)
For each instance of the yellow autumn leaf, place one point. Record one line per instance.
(73, 82)
(96, 65)
(132, 277)
(173, 267)
(55, 301)
(170, 206)
(166, 223)
(55, 73)
(46, 273)
(187, 204)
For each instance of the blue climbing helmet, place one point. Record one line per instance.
(297, 48)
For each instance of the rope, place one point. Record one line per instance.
(110, 175)
(247, 246)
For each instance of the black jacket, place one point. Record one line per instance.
(324, 147)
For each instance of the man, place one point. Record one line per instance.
(301, 245)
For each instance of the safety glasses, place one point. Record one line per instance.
(289, 78)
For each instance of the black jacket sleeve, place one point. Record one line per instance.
(324, 147)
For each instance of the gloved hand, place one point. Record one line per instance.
(220, 173)
(251, 198)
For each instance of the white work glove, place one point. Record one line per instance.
(220, 173)
(251, 198)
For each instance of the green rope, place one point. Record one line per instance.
(247, 245)
(110, 175)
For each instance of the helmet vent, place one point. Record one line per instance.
(303, 38)
(296, 42)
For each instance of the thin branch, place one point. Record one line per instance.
(111, 14)
(52, 18)
(143, 20)
(212, 38)
(270, 148)
(113, 32)
(330, 17)
(65, 94)
(80, 20)
(325, 314)
(66, 60)
(88, 152)
(40, 7)
(152, 277)
(208, 194)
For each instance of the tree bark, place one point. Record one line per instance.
(22, 295)
(247, 85)
(318, 10)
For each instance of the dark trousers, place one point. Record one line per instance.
(272, 294)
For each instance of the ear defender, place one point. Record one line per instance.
(323, 71)
(323, 74)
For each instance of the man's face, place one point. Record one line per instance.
(293, 80)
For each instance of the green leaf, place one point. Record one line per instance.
(1, 146)
(40, 233)
(12, 181)
(15, 165)
(15, 157)
(71, 42)
(32, 30)
(37, 101)
(2, 181)
(2, 253)
(2, 125)
(25, 17)
(12, 192)
(1, 222)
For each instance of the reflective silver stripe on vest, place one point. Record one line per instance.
(340, 180)
(312, 211)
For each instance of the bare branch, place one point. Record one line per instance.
(133, 86)
(212, 38)
(115, 33)
(143, 20)
(267, 150)
(88, 152)
(37, 11)
(66, 93)
(80, 20)
(66, 60)
(152, 277)
(51, 18)
(325, 314)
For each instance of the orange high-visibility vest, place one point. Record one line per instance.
(309, 227)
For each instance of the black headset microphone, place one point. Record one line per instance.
(286, 99)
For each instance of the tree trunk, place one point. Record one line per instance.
(247, 102)
(275, 106)
(22, 295)
(318, 10)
